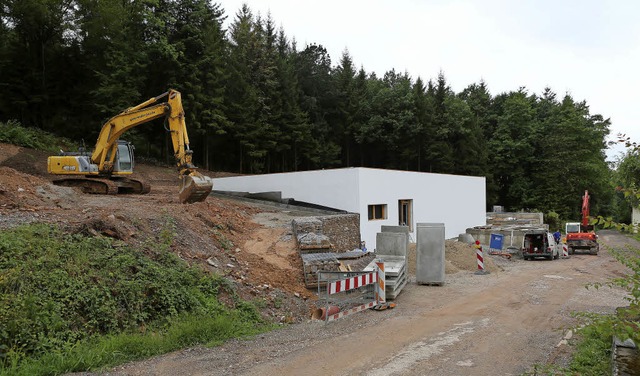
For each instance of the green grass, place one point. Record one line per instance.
(71, 302)
(593, 351)
(108, 351)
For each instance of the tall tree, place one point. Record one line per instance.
(318, 100)
(512, 152)
(36, 59)
(244, 96)
(200, 43)
(294, 123)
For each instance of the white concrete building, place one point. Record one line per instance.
(381, 197)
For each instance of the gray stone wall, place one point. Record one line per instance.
(341, 230)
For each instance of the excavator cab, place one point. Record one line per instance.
(124, 158)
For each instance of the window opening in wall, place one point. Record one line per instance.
(377, 212)
(405, 213)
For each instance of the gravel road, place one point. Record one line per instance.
(502, 323)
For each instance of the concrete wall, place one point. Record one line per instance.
(484, 235)
(457, 201)
(337, 188)
(501, 218)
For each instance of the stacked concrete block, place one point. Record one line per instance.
(395, 274)
(325, 244)
(391, 248)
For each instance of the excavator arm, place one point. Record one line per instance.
(585, 210)
(105, 150)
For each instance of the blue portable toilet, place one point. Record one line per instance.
(496, 241)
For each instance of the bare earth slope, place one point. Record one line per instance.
(241, 241)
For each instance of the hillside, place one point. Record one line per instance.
(249, 244)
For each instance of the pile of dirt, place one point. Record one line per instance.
(22, 191)
(459, 257)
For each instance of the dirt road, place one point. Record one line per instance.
(497, 324)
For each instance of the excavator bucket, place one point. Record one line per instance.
(195, 188)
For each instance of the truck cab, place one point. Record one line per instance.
(540, 243)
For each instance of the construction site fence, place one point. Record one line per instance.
(344, 293)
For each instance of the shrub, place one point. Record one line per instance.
(12, 132)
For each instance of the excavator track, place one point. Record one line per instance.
(89, 185)
(131, 185)
(104, 186)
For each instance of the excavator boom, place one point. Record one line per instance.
(585, 209)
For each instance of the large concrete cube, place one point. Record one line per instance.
(430, 253)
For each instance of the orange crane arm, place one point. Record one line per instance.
(585, 209)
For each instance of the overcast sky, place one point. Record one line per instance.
(588, 48)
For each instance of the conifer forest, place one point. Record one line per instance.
(256, 101)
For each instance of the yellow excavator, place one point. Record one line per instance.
(108, 169)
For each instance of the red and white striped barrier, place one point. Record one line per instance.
(359, 308)
(380, 294)
(565, 251)
(352, 283)
(376, 278)
(480, 257)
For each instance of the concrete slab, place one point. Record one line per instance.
(391, 243)
(394, 294)
(393, 265)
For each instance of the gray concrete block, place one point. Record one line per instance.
(392, 244)
(430, 253)
(399, 229)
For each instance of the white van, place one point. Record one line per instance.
(540, 243)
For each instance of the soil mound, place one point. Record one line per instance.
(458, 257)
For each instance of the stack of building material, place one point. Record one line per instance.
(355, 260)
(395, 274)
(392, 245)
